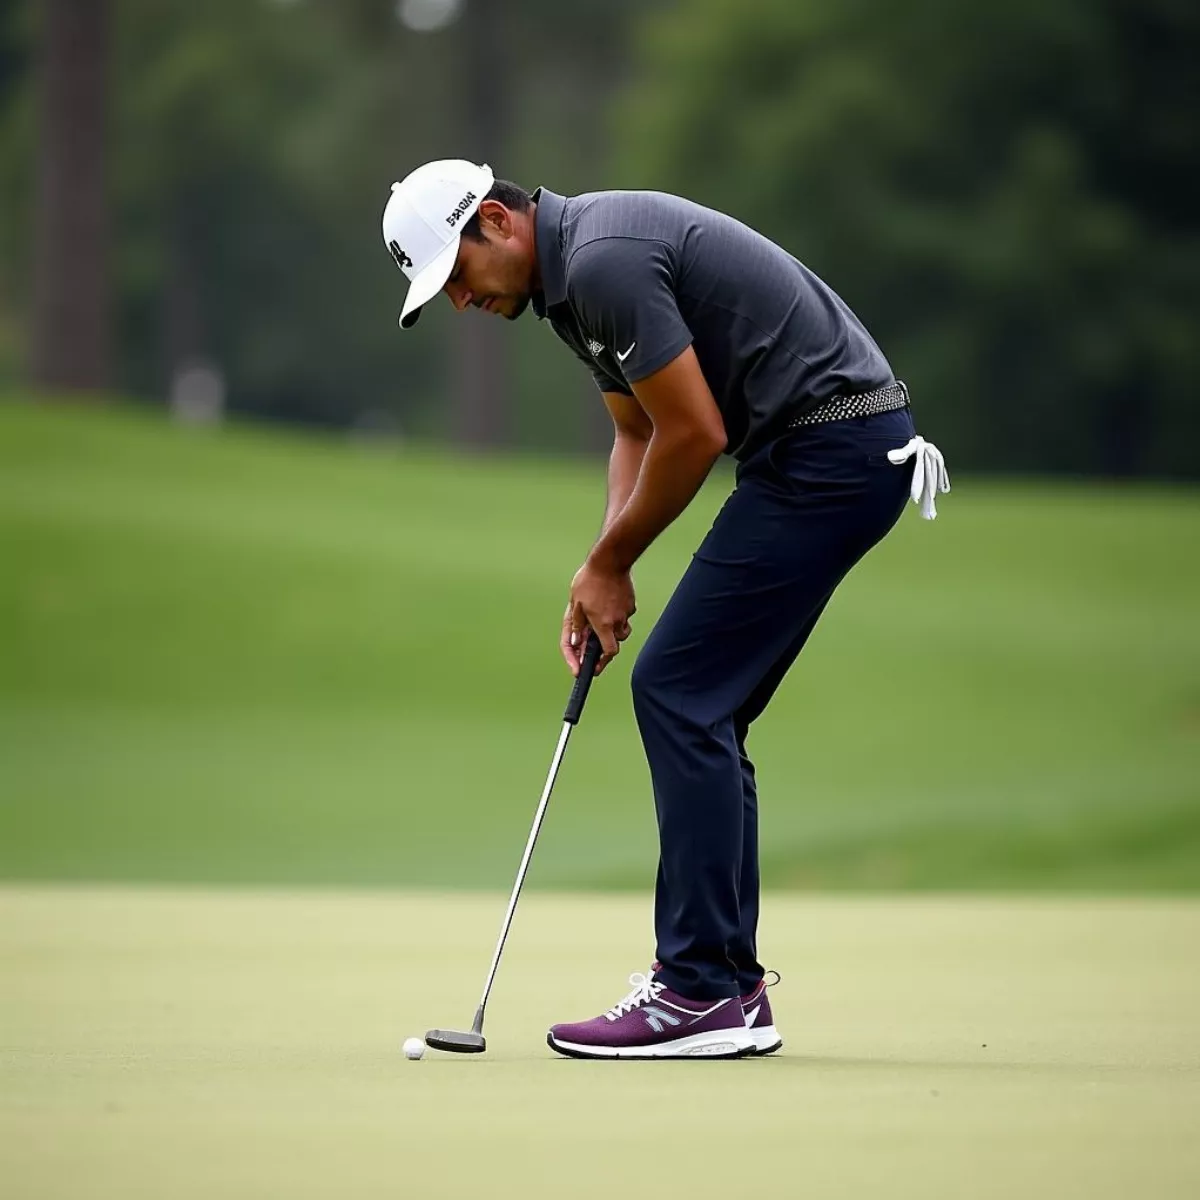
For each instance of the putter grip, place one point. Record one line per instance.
(583, 681)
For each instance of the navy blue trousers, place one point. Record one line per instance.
(805, 509)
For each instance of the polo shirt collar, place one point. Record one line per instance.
(548, 227)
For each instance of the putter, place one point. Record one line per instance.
(460, 1042)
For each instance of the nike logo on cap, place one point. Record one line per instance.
(622, 357)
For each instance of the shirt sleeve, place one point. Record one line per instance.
(622, 291)
(606, 382)
(603, 380)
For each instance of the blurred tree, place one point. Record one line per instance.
(217, 234)
(482, 401)
(1005, 191)
(17, 173)
(251, 146)
(72, 303)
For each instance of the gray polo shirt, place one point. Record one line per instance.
(631, 279)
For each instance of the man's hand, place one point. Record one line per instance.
(601, 600)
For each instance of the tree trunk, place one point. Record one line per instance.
(482, 384)
(72, 299)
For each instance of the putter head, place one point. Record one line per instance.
(455, 1041)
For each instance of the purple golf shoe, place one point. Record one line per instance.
(655, 1022)
(759, 1021)
(756, 1008)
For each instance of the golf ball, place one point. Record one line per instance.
(414, 1048)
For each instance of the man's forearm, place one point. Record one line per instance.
(624, 466)
(671, 473)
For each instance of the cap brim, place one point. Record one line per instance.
(428, 283)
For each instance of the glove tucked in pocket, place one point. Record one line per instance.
(929, 473)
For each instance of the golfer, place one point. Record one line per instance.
(704, 338)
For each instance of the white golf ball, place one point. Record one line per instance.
(414, 1048)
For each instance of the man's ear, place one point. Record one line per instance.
(493, 213)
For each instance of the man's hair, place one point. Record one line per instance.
(510, 195)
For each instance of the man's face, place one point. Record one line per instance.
(495, 274)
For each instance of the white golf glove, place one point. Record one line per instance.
(929, 473)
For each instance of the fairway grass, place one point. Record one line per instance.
(224, 1043)
(247, 656)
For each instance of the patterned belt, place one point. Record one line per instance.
(864, 404)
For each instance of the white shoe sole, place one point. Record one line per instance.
(732, 1043)
(766, 1040)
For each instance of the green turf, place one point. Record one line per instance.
(200, 1044)
(255, 657)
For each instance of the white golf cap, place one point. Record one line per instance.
(422, 225)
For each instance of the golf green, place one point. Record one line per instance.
(243, 1043)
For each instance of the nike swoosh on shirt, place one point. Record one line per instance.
(622, 357)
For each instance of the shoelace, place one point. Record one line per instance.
(929, 473)
(645, 989)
